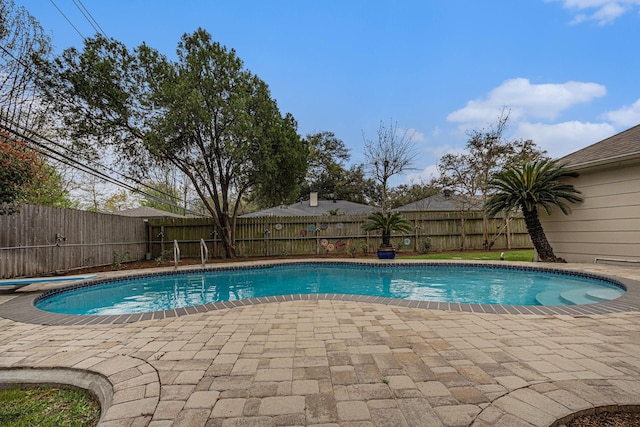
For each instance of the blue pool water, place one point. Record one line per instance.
(448, 283)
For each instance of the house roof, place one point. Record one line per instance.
(621, 146)
(441, 202)
(147, 212)
(325, 207)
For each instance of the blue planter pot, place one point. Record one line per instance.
(389, 253)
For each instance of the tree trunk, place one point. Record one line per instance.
(226, 235)
(386, 239)
(538, 238)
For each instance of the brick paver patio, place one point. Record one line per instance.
(339, 363)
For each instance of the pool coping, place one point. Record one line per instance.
(22, 308)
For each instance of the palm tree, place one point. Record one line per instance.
(387, 223)
(528, 187)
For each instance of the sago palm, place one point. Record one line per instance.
(528, 187)
(387, 223)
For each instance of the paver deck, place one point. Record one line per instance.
(333, 362)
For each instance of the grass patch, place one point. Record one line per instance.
(520, 255)
(47, 406)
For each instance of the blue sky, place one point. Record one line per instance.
(567, 69)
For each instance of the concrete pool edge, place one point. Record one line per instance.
(22, 308)
(114, 379)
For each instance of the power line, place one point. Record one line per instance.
(64, 159)
(68, 20)
(18, 60)
(89, 17)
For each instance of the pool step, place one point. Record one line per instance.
(578, 296)
(549, 298)
(605, 294)
(590, 296)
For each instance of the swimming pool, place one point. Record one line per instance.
(471, 284)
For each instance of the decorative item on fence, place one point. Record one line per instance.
(60, 238)
(303, 232)
(340, 245)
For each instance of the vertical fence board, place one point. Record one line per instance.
(28, 240)
(282, 236)
(28, 246)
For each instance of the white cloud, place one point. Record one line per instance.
(601, 11)
(441, 150)
(526, 100)
(425, 175)
(412, 134)
(627, 116)
(560, 139)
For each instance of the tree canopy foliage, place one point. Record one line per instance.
(325, 164)
(327, 174)
(487, 152)
(404, 194)
(20, 168)
(204, 113)
(167, 188)
(22, 41)
(51, 189)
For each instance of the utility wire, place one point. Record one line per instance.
(61, 158)
(64, 159)
(65, 17)
(18, 60)
(18, 129)
(50, 141)
(89, 17)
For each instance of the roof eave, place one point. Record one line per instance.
(605, 162)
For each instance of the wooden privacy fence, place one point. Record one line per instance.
(282, 236)
(43, 239)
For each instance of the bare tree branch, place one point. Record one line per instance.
(390, 154)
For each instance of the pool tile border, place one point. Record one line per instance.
(22, 308)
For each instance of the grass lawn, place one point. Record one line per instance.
(47, 406)
(526, 255)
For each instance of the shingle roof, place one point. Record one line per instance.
(342, 207)
(623, 144)
(440, 202)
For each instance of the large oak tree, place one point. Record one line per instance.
(203, 113)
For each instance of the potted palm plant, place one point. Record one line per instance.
(386, 223)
